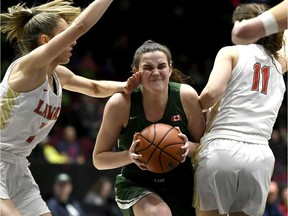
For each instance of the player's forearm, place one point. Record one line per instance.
(280, 13)
(207, 99)
(111, 160)
(193, 148)
(247, 31)
(106, 88)
(91, 14)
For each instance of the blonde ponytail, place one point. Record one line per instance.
(25, 24)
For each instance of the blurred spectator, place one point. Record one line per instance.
(283, 132)
(278, 146)
(44, 152)
(101, 194)
(196, 75)
(70, 146)
(121, 54)
(283, 205)
(272, 202)
(90, 113)
(88, 66)
(61, 203)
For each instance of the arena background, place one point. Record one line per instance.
(193, 30)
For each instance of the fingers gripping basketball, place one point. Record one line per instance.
(160, 147)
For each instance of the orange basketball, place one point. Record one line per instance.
(160, 147)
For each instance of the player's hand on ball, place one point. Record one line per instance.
(136, 158)
(185, 147)
(160, 148)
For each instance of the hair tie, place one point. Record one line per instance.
(29, 16)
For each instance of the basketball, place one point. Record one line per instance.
(160, 147)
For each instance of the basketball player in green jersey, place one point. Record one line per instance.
(157, 99)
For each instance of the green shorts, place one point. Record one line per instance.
(128, 192)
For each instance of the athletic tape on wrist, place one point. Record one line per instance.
(269, 22)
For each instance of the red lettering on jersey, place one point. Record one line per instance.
(56, 113)
(43, 125)
(51, 111)
(44, 113)
(30, 139)
(37, 110)
(47, 111)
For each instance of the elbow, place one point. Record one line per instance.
(207, 100)
(96, 91)
(79, 28)
(243, 35)
(238, 35)
(97, 163)
(235, 36)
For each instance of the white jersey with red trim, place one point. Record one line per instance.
(27, 118)
(251, 102)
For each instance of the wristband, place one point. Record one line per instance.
(269, 22)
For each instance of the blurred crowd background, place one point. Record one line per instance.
(193, 30)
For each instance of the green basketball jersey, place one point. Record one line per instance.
(174, 115)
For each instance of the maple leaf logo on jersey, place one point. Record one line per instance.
(175, 118)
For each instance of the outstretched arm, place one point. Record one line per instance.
(45, 54)
(96, 88)
(270, 22)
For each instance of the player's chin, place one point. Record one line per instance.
(159, 86)
(65, 60)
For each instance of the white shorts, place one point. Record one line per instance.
(232, 176)
(18, 184)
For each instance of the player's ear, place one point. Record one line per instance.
(43, 38)
(170, 70)
(134, 69)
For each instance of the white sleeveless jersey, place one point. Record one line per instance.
(249, 107)
(27, 118)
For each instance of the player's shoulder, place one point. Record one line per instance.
(228, 53)
(62, 69)
(186, 88)
(63, 72)
(180, 87)
(228, 50)
(118, 107)
(187, 91)
(119, 100)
